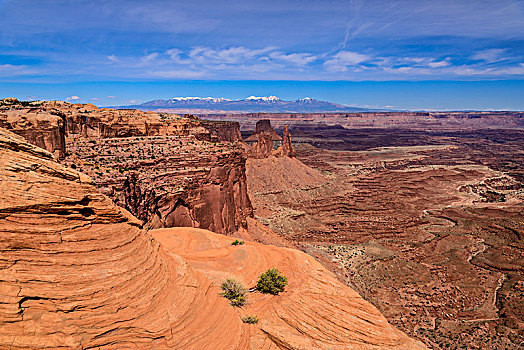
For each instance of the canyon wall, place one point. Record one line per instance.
(169, 181)
(168, 170)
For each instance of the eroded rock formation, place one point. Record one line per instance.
(263, 147)
(286, 149)
(42, 128)
(264, 137)
(169, 181)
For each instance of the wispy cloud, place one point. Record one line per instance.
(73, 98)
(113, 58)
(489, 55)
(296, 58)
(344, 59)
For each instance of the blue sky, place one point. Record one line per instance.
(439, 54)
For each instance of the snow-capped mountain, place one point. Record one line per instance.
(263, 98)
(251, 104)
(207, 99)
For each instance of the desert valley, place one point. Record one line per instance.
(395, 230)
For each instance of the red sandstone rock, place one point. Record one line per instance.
(42, 128)
(197, 188)
(263, 147)
(77, 272)
(286, 149)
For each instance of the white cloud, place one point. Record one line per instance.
(182, 74)
(150, 57)
(439, 64)
(343, 59)
(13, 70)
(475, 71)
(73, 98)
(111, 96)
(232, 55)
(490, 55)
(113, 58)
(296, 58)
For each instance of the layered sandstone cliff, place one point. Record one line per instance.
(45, 129)
(48, 123)
(169, 181)
(160, 167)
(77, 272)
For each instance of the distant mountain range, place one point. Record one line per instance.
(252, 104)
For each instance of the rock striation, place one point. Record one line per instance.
(264, 138)
(169, 181)
(314, 312)
(45, 129)
(77, 272)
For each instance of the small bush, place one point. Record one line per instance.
(271, 282)
(250, 319)
(237, 242)
(234, 291)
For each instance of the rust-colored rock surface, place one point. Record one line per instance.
(46, 129)
(264, 137)
(78, 272)
(263, 147)
(314, 312)
(286, 149)
(264, 126)
(169, 181)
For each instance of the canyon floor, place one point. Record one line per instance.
(427, 226)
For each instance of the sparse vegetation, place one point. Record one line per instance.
(271, 282)
(250, 319)
(234, 291)
(237, 242)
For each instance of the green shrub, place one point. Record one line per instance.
(271, 282)
(250, 319)
(234, 291)
(237, 242)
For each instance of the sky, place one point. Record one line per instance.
(413, 54)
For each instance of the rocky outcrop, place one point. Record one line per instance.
(264, 126)
(286, 149)
(265, 136)
(263, 148)
(169, 181)
(87, 120)
(41, 128)
(223, 131)
(181, 180)
(314, 312)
